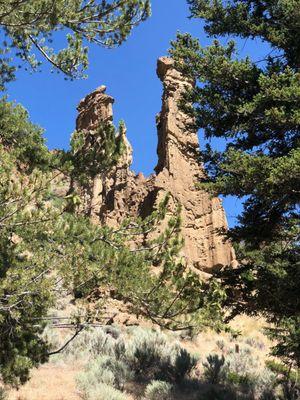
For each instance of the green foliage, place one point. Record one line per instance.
(31, 27)
(288, 339)
(239, 375)
(26, 256)
(287, 378)
(151, 356)
(158, 390)
(245, 374)
(23, 139)
(104, 392)
(213, 369)
(145, 352)
(91, 343)
(282, 370)
(96, 152)
(275, 22)
(138, 355)
(231, 376)
(254, 106)
(107, 370)
(28, 252)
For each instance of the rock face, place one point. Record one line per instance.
(121, 193)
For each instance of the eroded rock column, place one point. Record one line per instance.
(178, 172)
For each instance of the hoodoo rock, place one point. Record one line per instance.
(121, 194)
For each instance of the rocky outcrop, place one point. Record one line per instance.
(94, 108)
(120, 193)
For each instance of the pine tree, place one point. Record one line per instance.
(255, 106)
(26, 225)
(30, 27)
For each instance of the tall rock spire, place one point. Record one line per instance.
(178, 145)
(178, 172)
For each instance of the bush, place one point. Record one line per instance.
(101, 342)
(177, 364)
(252, 342)
(150, 356)
(113, 331)
(242, 375)
(243, 362)
(214, 369)
(286, 378)
(146, 355)
(104, 370)
(90, 343)
(221, 344)
(158, 390)
(105, 392)
(248, 376)
(145, 352)
(52, 338)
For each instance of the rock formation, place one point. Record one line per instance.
(121, 193)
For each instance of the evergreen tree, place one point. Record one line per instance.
(255, 106)
(26, 225)
(30, 27)
(47, 252)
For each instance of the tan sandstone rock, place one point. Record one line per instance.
(120, 193)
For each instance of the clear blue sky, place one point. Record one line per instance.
(129, 72)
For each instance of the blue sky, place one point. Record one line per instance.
(129, 72)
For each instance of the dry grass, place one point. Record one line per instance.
(49, 382)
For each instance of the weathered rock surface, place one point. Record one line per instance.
(121, 193)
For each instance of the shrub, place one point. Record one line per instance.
(51, 337)
(248, 376)
(241, 374)
(252, 342)
(113, 331)
(242, 363)
(101, 342)
(90, 343)
(145, 355)
(120, 349)
(105, 392)
(104, 370)
(158, 390)
(286, 378)
(150, 356)
(146, 351)
(177, 364)
(214, 369)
